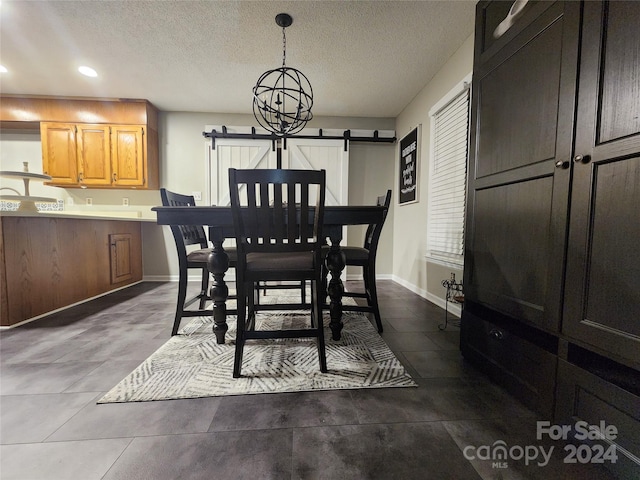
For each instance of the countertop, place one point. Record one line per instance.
(138, 215)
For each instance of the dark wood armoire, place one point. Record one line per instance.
(552, 256)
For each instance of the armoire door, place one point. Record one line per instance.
(602, 291)
(520, 150)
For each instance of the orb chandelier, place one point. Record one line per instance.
(282, 97)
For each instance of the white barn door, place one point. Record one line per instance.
(235, 153)
(314, 154)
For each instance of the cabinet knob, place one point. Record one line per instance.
(581, 158)
(496, 334)
(561, 164)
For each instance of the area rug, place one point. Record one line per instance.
(192, 365)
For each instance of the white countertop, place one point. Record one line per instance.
(145, 215)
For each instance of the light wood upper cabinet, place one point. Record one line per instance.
(95, 155)
(127, 155)
(118, 149)
(59, 158)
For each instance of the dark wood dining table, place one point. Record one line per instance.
(220, 222)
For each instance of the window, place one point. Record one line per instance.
(448, 176)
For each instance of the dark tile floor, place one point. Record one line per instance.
(53, 370)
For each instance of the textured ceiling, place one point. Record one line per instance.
(363, 58)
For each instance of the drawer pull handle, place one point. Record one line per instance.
(496, 334)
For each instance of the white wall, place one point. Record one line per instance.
(410, 267)
(16, 148)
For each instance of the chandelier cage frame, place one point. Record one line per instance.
(283, 97)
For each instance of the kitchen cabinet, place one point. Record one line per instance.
(122, 264)
(59, 153)
(127, 155)
(551, 253)
(49, 262)
(88, 155)
(90, 143)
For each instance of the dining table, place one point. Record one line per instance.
(219, 219)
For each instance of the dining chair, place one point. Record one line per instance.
(365, 257)
(188, 258)
(278, 238)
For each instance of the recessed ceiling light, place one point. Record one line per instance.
(88, 71)
(3, 69)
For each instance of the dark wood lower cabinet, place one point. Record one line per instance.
(594, 398)
(53, 262)
(522, 367)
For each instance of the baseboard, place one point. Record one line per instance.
(439, 301)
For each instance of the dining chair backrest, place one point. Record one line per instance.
(372, 236)
(186, 234)
(280, 210)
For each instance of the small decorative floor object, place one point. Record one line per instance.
(455, 295)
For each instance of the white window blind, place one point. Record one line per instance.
(448, 179)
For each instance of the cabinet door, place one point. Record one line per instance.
(120, 255)
(602, 306)
(59, 153)
(94, 157)
(127, 155)
(522, 122)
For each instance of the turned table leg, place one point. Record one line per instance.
(335, 262)
(218, 264)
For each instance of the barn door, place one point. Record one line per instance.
(314, 154)
(235, 153)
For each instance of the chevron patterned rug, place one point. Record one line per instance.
(193, 365)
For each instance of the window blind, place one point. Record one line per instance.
(448, 179)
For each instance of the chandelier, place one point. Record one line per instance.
(282, 97)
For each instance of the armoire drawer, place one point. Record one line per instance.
(523, 368)
(583, 396)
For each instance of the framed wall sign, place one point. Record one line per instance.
(408, 187)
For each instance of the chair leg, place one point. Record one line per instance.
(316, 312)
(303, 292)
(324, 283)
(252, 294)
(182, 295)
(240, 326)
(372, 296)
(204, 287)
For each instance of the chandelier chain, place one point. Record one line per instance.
(284, 46)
